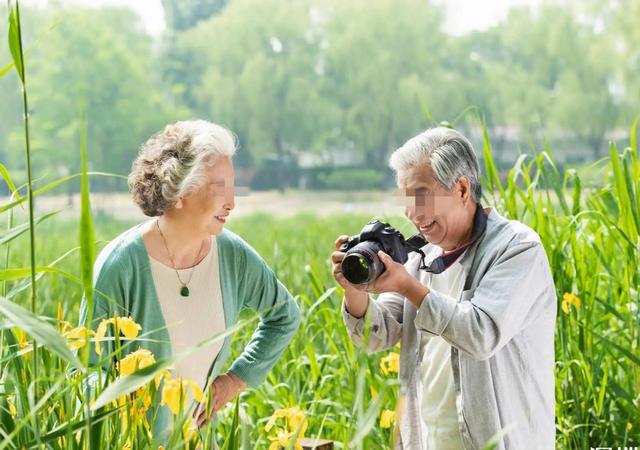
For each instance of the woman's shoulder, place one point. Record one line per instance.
(119, 251)
(234, 249)
(229, 240)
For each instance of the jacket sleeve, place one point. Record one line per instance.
(385, 318)
(513, 293)
(384, 314)
(260, 291)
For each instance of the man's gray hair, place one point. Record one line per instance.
(449, 154)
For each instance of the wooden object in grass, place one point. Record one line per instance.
(316, 444)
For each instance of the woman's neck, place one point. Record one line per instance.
(179, 241)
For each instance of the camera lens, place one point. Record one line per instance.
(361, 264)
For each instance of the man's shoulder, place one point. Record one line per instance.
(502, 232)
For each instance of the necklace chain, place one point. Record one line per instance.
(173, 263)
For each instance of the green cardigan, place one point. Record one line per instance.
(122, 272)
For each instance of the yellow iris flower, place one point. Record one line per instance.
(12, 408)
(77, 337)
(568, 300)
(281, 440)
(137, 360)
(126, 325)
(390, 363)
(174, 393)
(387, 418)
(295, 421)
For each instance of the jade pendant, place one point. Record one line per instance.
(184, 291)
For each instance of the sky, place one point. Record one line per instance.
(467, 15)
(462, 15)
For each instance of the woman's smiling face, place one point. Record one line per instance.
(210, 204)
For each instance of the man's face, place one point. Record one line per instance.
(439, 214)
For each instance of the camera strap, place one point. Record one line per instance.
(446, 259)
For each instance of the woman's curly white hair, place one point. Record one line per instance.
(170, 164)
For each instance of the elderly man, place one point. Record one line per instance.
(475, 314)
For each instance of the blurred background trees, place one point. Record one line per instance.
(320, 92)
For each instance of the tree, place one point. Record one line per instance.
(382, 60)
(548, 76)
(617, 23)
(182, 15)
(102, 59)
(181, 68)
(262, 78)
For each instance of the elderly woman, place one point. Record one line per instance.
(184, 278)
(475, 314)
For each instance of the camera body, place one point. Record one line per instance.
(361, 264)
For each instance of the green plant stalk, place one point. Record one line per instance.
(4, 283)
(25, 104)
(15, 43)
(7, 253)
(87, 249)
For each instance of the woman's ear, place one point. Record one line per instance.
(178, 204)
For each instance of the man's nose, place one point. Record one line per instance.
(415, 215)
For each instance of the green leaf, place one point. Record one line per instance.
(5, 69)
(86, 235)
(41, 330)
(7, 178)
(233, 442)
(15, 44)
(622, 191)
(75, 425)
(17, 231)
(53, 185)
(425, 110)
(493, 177)
(601, 393)
(24, 272)
(626, 352)
(320, 300)
(577, 189)
(27, 283)
(367, 418)
(633, 139)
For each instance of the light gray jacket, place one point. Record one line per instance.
(501, 332)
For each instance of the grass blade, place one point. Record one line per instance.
(39, 329)
(15, 41)
(54, 184)
(14, 232)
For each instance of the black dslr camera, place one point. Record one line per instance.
(361, 264)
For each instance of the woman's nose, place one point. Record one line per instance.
(230, 198)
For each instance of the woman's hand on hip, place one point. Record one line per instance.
(222, 390)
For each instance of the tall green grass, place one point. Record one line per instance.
(592, 237)
(591, 234)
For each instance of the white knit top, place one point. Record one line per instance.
(190, 320)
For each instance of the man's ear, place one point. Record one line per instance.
(464, 189)
(178, 204)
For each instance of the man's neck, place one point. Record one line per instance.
(468, 234)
